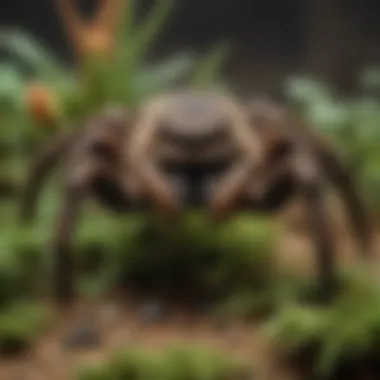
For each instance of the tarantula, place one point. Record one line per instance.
(134, 160)
(291, 160)
(225, 154)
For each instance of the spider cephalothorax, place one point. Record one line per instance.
(200, 136)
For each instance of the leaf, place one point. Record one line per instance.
(329, 114)
(369, 79)
(145, 34)
(163, 75)
(210, 67)
(124, 55)
(31, 52)
(297, 327)
(306, 91)
(127, 21)
(11, 88)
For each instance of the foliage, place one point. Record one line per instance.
(229, 267)
(208, 70)
(193, 259)
(124, 79)
(20, 324)
(189, 261)
(250, 304)
(336, 338)
(352, 122)
(344, 336)
(20, 264)
(175, 363)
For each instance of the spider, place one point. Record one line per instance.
(257, 157)
(135, 160)
(224, 155)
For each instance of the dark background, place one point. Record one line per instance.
(270, 39)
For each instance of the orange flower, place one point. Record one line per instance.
(42, 104)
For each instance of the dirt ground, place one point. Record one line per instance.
(119, 327)
(51, 360)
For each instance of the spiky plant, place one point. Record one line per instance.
(59, 93)
(342, 338)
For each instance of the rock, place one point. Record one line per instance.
(151, 312)
(83, 337)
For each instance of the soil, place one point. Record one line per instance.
(50, 359)
(120, 327)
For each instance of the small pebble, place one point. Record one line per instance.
(151, 312)
(82, 337)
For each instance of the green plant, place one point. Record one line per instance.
(21, 263)
(41, 95)
(125, 79)
(352, 123)
(249, 304)
(20, 324)
(342, 337)
(198, 260)
(194, 259)
(176, 363)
